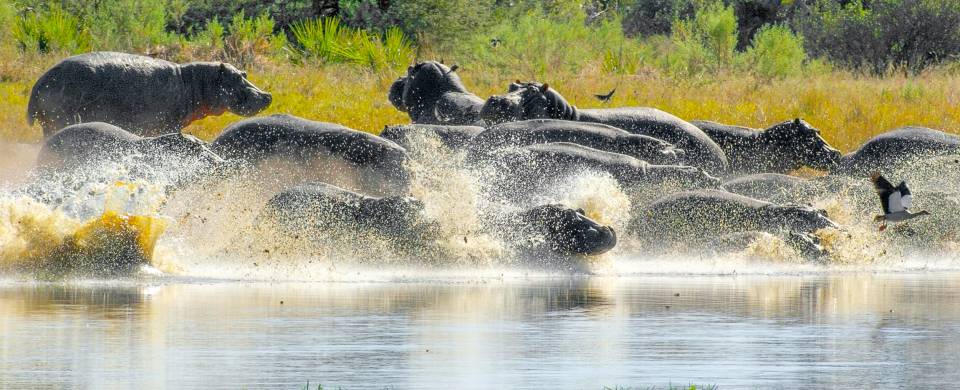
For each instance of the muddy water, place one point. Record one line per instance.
(842, 330)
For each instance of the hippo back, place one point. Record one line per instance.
(700, 149)
(256, 138)
(888, 151)
(85, 142)
(769, 186)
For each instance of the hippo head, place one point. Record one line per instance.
(394, 215)
(797, 145)
(396, 93)
(424, 84)
(568, 231)
(182, 146)
(799, 218)
(527, 101)
(239, 95)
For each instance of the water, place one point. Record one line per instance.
(847, 331)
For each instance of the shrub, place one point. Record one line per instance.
(776, 52)
(442, 24)
(52, 30)
(908, 35)
(248, 38)
(128, 25)
(705, 43)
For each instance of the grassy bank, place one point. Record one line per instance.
(846, 107)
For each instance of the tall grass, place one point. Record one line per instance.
(328, 41)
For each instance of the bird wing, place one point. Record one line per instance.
(906, 199)
(895, 202)
(884, 190)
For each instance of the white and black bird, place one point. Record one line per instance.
(895, 201)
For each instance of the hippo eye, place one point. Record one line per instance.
(581, 211)
(244, 74)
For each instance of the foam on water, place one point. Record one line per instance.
(211, 228)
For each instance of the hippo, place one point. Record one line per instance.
(433, 94)
(360, 160)
(807, 245)
(774, 187)
(310, 208)
(143, 95)
(535, 101)
(78, 145)
(702, 214)
(453, 137)
(594, 135)
(316, 206)
(781, 148)
(557, 229)
(541, 165)
(894, 149)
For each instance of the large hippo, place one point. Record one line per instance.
(312, 207)
(541, 165)
(452, 136)
(309, 208)
(432, 93)
(594, 135)
(89, 143)
(781, 148)
(143, 95)
(320, 151)
(696, 215)
(535, 100)
(894, 149)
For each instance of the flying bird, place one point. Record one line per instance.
(606, 98)
(895, 201)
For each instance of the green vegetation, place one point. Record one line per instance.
(852, 69)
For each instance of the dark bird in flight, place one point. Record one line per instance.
(895, 201)
(606, 98)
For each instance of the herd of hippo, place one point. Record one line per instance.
(703, 184)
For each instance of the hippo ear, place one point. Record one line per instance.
(454, 68)
(796, 121)
(518, 81)
(244, 74)
(545, 88)
(441, 60)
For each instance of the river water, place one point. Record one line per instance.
(838, 330)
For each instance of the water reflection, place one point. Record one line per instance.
(791, 331)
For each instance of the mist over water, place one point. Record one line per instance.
(192, 222)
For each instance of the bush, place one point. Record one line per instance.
(776, 52)
(442, 24)
(53, 30)
(907, 35)
(704, 44)
(326, 40)
(127, 25)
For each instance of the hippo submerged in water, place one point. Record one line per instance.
(897, 148)
(593, 135)
(534, 167)
(143, 95)
(319, 207)
(781, 148)
(432, 93)
(89, 143)
(320, 151)
(535, 101)
(689, 217)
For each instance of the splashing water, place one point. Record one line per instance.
(116, 216)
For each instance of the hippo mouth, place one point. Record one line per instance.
(252, 103)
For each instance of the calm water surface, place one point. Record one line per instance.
(848, 331)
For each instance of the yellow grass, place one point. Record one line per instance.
(847, 108)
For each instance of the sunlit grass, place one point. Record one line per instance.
(847, 108)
